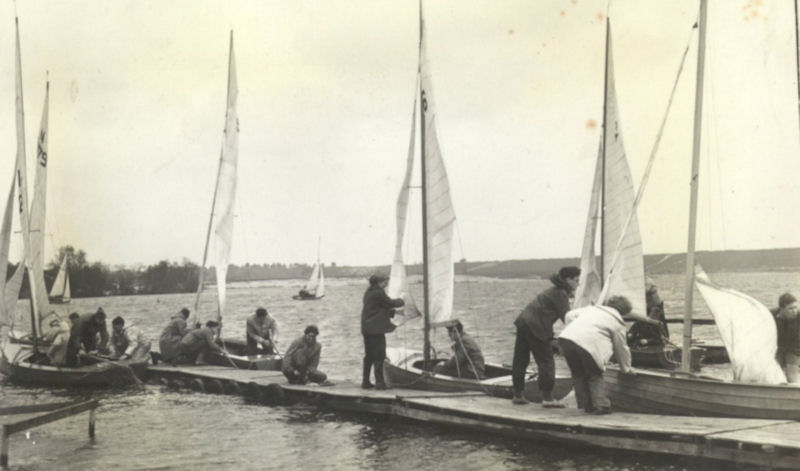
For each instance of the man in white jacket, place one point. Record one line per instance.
(592, 335)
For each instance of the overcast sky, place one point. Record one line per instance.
(325, 96)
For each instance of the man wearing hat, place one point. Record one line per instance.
(197, 342)
(376, 322)
(301, 360)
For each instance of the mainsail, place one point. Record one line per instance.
(398, 280)
(9, 288)
(37, 218)
(316, 282)
(439, 207)
(747, 329)
(589, 283)
(60, 288)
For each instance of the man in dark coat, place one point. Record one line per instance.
(170, 341)
(467, 360)
(375, 324)
(535, 334)
(197, 342)
(84, 332)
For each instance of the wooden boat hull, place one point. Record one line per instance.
(671, 393)
(16, 365)
(403, 369)
(238, 358)
(666, 357)
(312, 298)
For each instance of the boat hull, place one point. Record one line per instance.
(403, 369)
(16, 365)
(311, 298)
(237, 357)
(671, 393)
(660, 356)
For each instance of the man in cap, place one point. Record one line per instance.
(376, 314)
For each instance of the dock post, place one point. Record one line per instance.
(91, 424)
(4, 450)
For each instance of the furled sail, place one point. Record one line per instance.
(747, 329)
(627, 278)
(439, 207)
(398, 280)
(589, 283)
(226, 185)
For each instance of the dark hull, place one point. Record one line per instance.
(666, 357)
(18, 368)
(310, 298)
(238, 358)
(714, 352)
(655, 392)
(403, 368)
(59, 300)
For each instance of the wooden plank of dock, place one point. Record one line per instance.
(773, 443)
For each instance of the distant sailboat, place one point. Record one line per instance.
(60, 291)
(315, 287)
(222, 213)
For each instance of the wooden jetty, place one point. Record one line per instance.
(773, 443)
(19, 418)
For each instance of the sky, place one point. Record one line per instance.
(326, 90)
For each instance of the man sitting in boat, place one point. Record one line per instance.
(58, 338)
(262, 331)
(303, 293)
(655, 331)
(535, 332)
(301, 359)
(129, 342)
(196, 343)
(592, 335)
(84, 335)
(170, 341)
(787, 322)
(467, 360)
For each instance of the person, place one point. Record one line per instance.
(655, 331)
(303, 293)
(196, 343)
(84, 334)
(301, 359)
(262, 332)
(535, 334)
(376, 314)
(58, 337)
(592, 335)
(73, 344)
(170, 340)
(787, 323)
(467, 361)
(129, 342)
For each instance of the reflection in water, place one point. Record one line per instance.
(153, 428)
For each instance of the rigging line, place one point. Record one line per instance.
(469, 285)
(716, 141)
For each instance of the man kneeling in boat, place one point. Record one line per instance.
(467, 361)
(86, 328)
(196, 343)
(301, 359)
(58, 337)
(592, 335)
(262, 330)
(170, 340)
(129, 342)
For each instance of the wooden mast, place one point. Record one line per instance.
(698, 121)
(603, 165)
(426, 350)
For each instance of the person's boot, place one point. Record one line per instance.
(366, 368)
(380, 383)
(519, 400)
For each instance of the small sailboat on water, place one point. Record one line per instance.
(25, 360)
(60, 291)
(315, 287)
(222, 214)
(412, 368)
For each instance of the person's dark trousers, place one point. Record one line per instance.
(587, 377)
(524, 345)
(374, 354)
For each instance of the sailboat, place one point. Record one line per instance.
(60, 291)
(410, 368)
(24, 361)
(621, 270)
(758, 389)
(315, 287)
(222, 213)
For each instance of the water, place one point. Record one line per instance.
(153, 428)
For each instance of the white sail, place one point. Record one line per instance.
(8, 288)
(320, 292)
(313, 280)
(747, 329)
(60, 286)
(439, 207)
(37, 219)
(226, 185)
(398, 280)
(589, 283)
(67, 291)
(627, 278)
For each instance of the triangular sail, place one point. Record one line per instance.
(747, 329)
(67, 291)
(398, 280)
(60, 284)
(8, 288)
(589, 284)
(313, 280)
(320, 292)
(439, 207)
(618, 198)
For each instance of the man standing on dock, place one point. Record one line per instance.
(535, 333)
(301, 359)
(376, 315)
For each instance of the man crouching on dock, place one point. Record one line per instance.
(301, 360)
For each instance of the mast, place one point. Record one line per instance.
(698, 121)
(603, 180)
(426, 349)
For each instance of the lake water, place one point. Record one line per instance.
(153, 428)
